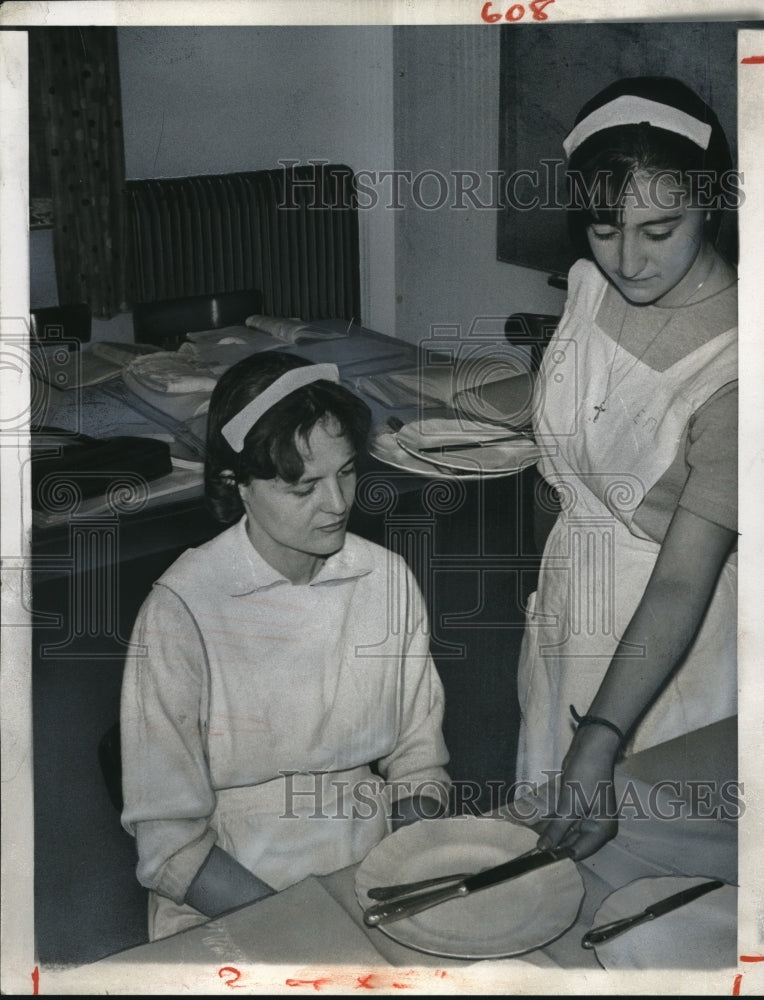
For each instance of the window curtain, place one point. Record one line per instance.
(76, 73)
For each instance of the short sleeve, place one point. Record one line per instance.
(711, 455)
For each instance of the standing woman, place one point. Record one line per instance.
(282, 712)
(631, 635)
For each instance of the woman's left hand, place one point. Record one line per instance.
(409, 810)
(585, 814)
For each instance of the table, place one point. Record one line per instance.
(313, 932)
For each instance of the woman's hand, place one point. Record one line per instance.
(415, 807)
(222, 884)
(662, 628)
(585, 813)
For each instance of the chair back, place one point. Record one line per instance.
(54, 324)
(110, 762)
(167, 322)
(533, 331)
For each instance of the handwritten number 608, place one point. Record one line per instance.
(516, 12)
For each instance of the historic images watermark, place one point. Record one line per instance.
(547, 186)
(526, 801)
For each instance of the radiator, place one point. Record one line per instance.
(292, 233)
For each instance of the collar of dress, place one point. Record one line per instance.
(249, 572)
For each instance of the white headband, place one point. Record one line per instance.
(629, 110)
(239, 426)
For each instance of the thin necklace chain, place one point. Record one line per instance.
(602, 407)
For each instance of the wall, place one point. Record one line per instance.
(200, 100)
(212, 100)
(447, 119)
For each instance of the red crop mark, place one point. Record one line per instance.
(441, 973)
(234, 974)
(752, 60)
(365, 982)
(401, 986)
(35, 980)
(317, 984)
(744, 958)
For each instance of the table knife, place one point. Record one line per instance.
(607, 931)
(466, 445)
(408, 905)
(387, 892)
(407, 888)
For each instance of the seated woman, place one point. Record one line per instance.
(282, 713)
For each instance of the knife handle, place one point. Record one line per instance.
(385, 913)
(607, 931)
(383, 892)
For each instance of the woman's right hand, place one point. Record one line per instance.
(585, 812)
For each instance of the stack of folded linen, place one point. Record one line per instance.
(175, 383)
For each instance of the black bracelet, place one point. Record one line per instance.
(596, 720)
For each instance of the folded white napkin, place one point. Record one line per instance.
(174, 372)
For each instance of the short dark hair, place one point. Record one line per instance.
(599, 169)
(270, 446)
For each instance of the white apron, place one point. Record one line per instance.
(327, 822)
(597, 562)
(303, 686)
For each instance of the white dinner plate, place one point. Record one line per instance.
(508, 919)
(386, 448)
(506, 456)
(699, 935)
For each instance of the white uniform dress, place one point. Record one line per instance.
(254, 708)
(597, 560)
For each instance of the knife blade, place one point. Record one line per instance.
(387, 892)
(466, 445)
(606, 932)
(408, 905)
